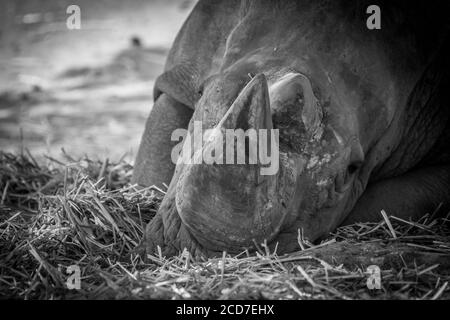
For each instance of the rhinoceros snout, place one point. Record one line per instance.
(226, 210)
(231, 205)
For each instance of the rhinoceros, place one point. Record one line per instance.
(362, 118)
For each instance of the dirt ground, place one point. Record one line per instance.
(88, 91)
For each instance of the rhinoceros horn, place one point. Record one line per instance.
(251, 109)
(246, 207)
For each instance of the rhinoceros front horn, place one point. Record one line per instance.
(251, 109)
(228, 206)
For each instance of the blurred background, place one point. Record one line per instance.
(88, 91)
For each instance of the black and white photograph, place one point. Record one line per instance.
(226, 156)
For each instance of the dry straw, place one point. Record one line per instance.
(86, 213)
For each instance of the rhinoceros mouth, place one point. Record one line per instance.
(226, 210)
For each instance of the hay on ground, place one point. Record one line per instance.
(86, 213)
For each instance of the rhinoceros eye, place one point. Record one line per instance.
(200, 90)
(353, 167)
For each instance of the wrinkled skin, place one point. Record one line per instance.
(362, 118)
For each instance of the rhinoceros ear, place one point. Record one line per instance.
(181, 83)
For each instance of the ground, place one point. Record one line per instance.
(85, 213)
(89, 92)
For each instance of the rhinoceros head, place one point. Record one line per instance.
(327, 92)
(304, 183)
